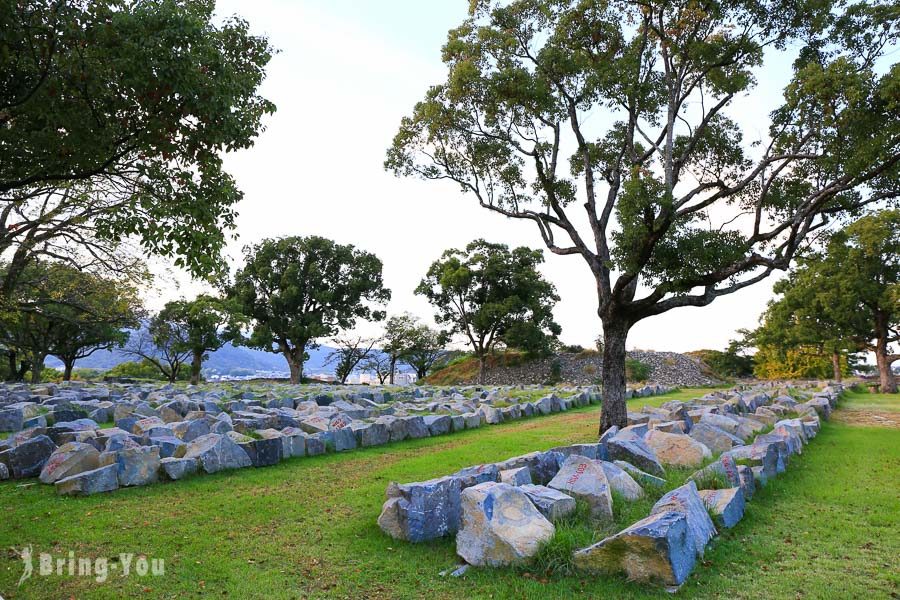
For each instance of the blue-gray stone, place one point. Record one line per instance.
(137, 466)
(433, 507)
(169, 446)
(643, 478)
(687, 501)
(12, 419)
(38, 421)
(416, 428)
(603, 450)
(217, 452)
(28, 458)
(264, 453)
(437, 424)
(104, 479)
(727, 505)
(315, 444)
(634, 450)
(178, 468)
(477, 474)
(127, 423)
(658, 549)
(551, 503)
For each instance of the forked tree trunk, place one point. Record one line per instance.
(36, 368)
(836, 366)
(887, 381)
(614, 409)
(196, 364)
(482, 367)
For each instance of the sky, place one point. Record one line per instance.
(345, 73)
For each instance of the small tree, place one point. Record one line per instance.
(379, 363)
(620, 116)
(488, 292)
(427, 346)
(350, 352)
(298, 289)
(399, 332)
(208, 324)
(163, 344)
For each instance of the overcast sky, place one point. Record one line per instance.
(345, 74)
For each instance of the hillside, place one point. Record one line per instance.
(584, 368)
(224, 361)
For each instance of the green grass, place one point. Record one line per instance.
(828, 528)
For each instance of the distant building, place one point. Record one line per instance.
(372, 379)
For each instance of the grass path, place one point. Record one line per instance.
(828, 528)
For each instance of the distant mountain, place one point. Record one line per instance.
(223, 361)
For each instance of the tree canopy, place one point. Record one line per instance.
(491, 295)
(621, 115)
(843, 300)
(59, 310)
(114, 115)
(298, 289)
(207, 323)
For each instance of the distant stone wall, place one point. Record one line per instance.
(666, 368)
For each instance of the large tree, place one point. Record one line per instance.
(298, 289)
(852, 291)
(486, 292)
(59, 310)
(208, 324)
(114, 115)
(807, 321)
(619, 115)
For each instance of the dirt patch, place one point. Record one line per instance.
(867, 418)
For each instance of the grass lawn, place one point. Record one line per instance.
(828, 528)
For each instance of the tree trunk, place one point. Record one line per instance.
(836, 366)
(36, 368)
(294, 359)
(888, 383)
(196, 363)
(482, 360)
(11, 358)
(393, 368)
(24, 365)
(614, 409)
(68, 365)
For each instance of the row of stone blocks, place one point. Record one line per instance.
(503, 512)
(82, 459)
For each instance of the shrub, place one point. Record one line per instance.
(555, 372)
(635, 370)
(144, 370)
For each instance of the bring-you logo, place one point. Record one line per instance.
(125, 564)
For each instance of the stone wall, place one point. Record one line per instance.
(502, 513)
(666, 368)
